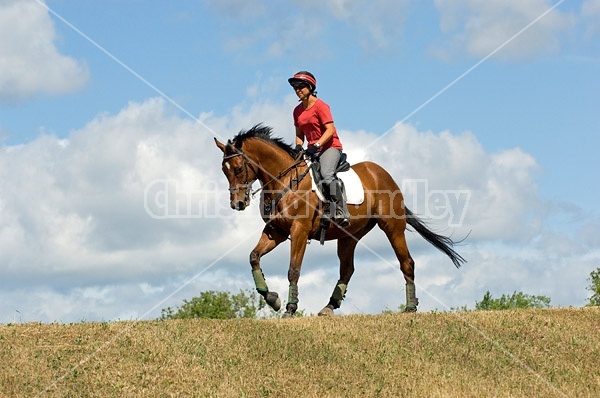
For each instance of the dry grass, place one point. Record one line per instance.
(525, 353)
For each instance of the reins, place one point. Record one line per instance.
(281, 174)
(270, 207)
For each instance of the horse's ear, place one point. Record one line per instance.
(220, 145)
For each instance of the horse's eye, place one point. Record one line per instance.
(237, 170)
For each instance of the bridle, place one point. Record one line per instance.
(248, 184)
(269, 208)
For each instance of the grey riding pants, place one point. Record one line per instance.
(329, 160)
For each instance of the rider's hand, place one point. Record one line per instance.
(311, 150)
(298, 148)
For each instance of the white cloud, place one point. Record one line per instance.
(379, 24)
(287, 27)
(84, 199)
(590, 8)
(30, 62)
(451, 178)
(75, 234)
(478, 28)
(590, 11)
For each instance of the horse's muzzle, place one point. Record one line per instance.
(238, 205)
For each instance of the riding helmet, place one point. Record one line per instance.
(304, 77)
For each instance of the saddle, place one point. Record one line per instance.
(343, 165)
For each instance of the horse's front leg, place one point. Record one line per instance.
(299, 239)
(269, 239)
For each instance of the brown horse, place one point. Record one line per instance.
(291, 209)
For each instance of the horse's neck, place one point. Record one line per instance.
(271, 161)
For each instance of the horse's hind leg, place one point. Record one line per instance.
(345, 251)
(267, 242)
(394, 230)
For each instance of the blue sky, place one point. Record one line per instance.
(99, 99)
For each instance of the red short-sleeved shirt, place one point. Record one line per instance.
(312, 123)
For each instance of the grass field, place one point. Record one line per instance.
(523, 353)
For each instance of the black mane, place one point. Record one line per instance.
(264, 133)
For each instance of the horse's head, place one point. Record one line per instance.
(239, 172)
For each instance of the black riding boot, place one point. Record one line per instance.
(338, 199)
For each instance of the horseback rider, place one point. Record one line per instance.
(314, 122)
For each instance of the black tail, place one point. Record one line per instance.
(441, 242)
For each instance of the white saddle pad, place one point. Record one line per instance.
(355, 193)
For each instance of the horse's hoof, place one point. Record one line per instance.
(273, 301)
(326, 311)
(410, 308)
(287, 315)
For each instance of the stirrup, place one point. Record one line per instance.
(342, 219)
(342, 222)
(339, 216)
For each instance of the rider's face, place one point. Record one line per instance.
(302, 91)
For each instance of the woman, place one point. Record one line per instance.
(314, 122)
